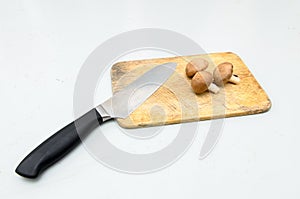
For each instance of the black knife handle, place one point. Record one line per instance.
(58, 145)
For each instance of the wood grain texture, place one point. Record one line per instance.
(175, 101)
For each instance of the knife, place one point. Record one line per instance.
(120, 105)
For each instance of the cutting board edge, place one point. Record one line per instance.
(265, 109)
(171, 57)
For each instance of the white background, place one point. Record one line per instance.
(43, 45)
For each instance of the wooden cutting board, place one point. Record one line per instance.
(175, 101)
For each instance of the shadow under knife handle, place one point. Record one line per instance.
(58, 145)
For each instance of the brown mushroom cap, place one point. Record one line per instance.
(195, 65)
(201, 81)
(223, 73)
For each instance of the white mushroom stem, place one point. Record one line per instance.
(213, 88)
(234, 79)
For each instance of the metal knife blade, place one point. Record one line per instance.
(119, 105)
(132, 96)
